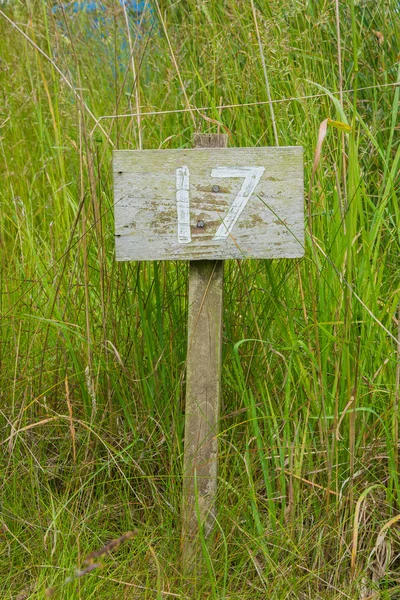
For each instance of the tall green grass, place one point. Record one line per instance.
(93, 353)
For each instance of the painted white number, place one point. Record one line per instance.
(182, 203)
(251, 176)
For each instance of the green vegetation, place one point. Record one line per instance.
(93, 352)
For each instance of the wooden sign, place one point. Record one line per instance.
(209, 203)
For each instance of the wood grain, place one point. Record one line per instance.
(203, 393)
(146, 222)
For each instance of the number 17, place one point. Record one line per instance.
(251, 176)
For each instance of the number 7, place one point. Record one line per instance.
(252, 176)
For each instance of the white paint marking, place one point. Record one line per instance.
(252, 176)
(182, 203)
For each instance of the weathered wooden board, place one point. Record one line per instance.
(209, 203)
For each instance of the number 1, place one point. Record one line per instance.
(182, 203)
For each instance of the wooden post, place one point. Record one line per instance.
(203, 392)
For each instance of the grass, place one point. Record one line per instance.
(93, 352)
